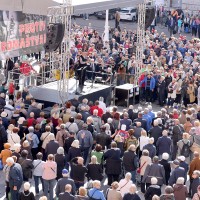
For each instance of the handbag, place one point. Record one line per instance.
(139, 169)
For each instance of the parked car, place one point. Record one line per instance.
(111, 15)
(129, 13)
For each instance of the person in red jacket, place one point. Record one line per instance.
(142, 87)
(96, 106)
(31, 119)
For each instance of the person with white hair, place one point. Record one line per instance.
(151, 113)
(125, 121)
(153, 189)
(106, 115)
(147, 117)
(102, 105)
(150, 147)
(154, 170)
(13, 137)
(9, 109)
(163, 144)
(33, 141)
(166, 164)
(180, 190)
(155, 131)
(132, 194)
(95, 193)
(52, 145)
(74, 151)
(95, 171)
(125, 184)
(27, 194)
(15, 177)
(96, 120)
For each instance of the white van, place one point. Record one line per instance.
(128, 13)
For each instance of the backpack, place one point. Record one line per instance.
(185, 151)
(131, 140)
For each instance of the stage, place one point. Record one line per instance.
(49, 94)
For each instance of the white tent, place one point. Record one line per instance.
(80, 6)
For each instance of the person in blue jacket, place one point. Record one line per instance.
(150, 84)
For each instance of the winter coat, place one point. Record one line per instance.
(163, 145)
(151, 191)
(51, 147)
(61, 136)
(147, 161)
(73, 153)
(130, 161)
(195, 183)
(26, 195)
(167, 197)
(151, 148)
(60, 160)
(194, 165)
(167, 168)
(27, 167)
(94, 172)
(180, 192)
(60, 187)
(154, 170)
(178, 172)
(15, 176)
(113, 161)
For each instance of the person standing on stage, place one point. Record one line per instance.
(81, 70)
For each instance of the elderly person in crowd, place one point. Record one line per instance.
(26, 194)
(180, 190)
(113, 193)
(145, 160)
(156, 170)
(153, 189)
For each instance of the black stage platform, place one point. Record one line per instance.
(49, 94)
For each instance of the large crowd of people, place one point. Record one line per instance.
(78, 149)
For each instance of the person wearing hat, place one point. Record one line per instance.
(4, 119)
(177, 172)
(62, 182)
(183, 164)
(5, 153)
(86, 141)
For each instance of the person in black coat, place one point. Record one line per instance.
(66, 195)
(164, 162)
(26, 194)
(68, 142)
(140, 119)
(103, 139)
(52, 145)
(161, 91)
(26, 164)
(132, 194)
(113, 163)
(94, 170)
(62, 182)
(3, 135)
(15, 177)
(153, 189)
(74, 151)
(78, 171)
(61, 161)
(178, 172)
(155, 131)
(195, 182)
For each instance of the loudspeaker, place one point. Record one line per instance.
(150, 15)
(54, 36)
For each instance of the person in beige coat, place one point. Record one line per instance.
(45, 137)
(144, 161)
(112, 193)
(61, 135)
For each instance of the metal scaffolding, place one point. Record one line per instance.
(140, 40)
(59, 60)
